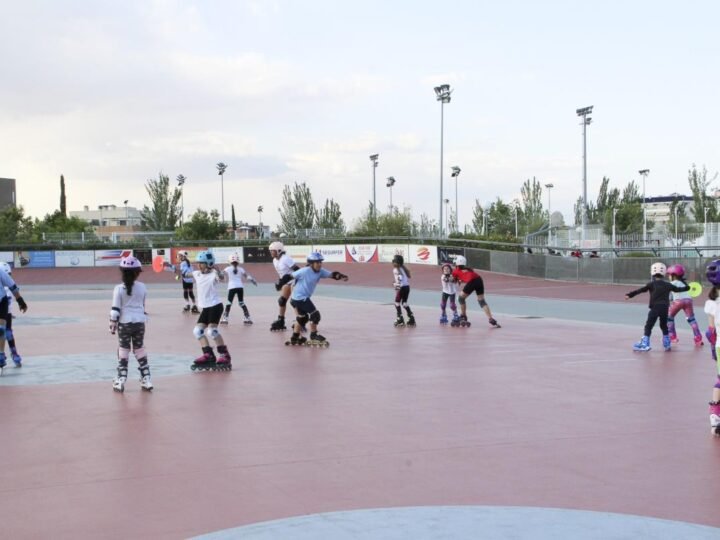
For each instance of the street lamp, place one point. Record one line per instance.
(584, 112)
(221, 167)
(447, 214)
(126, 212)
(181, 182)
(705, 211)
(549, 187)
(455, 174)
(390, 184)
(677, 243)
(442, 94)
(374, 159)
(260, 211)
(516, 221)
(644, 173)
(615, 211)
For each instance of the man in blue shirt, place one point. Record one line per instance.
(306, 279)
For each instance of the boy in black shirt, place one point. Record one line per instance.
(659, 304)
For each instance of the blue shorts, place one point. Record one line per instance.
(303, 307)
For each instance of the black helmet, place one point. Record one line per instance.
(398, 259)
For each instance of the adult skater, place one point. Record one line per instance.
(284, 266)
(306, 279)
(9, 335)
(473, 284)
(127, 318)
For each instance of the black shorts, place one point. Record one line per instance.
(474, 286)
(402, 294)
(187, 286)
(4, 307)
(303, 307)
(239, 291)
(211, 315)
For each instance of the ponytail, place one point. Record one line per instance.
(129, 275)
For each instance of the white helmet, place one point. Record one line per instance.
(277, 246)
(183, 254)
(460, 261)
(233, 258)
(6, 268)
(658, 268)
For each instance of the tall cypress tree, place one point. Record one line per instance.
(63, 204)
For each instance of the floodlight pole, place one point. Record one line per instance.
(584, 112)
(644, 173)
(442, 94)
(374, 160)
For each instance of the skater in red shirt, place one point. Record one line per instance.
(473, 284)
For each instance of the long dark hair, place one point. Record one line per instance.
(129, 275)
(407, 272)
(713, 294)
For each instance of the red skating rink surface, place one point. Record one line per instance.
(542, 412)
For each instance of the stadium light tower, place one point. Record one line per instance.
(374, 159)
(455, 174)
(644, 173)
(390, 184)
(442, 94)
(585, 113)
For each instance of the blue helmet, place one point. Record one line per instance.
(205, 257)
(315, 256)
(713, 272)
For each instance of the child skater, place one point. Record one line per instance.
(473, 284)
(207, 279)
(127, 318)
(235, 274)
(681, 301)
(8, 317)
(712, 308)
(284, 266)
(449, 290)
(9, 335)
(401, 282)
(306, 279)
(184, 270)
(659, 305)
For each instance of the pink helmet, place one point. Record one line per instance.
(677, 270)
(130, 262)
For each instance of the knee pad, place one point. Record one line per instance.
(671, 319)
(282, 301)
(302, 319)
(9, 333)
(482, 303)
(123, 354)
(140, 354)
(198, 332)
(241, 304)
(461, 300)
(315, 317)
(214, 333)
(689, 319)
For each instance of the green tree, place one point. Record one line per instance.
(15, 226)
(297, 209)
(329, 216)
(532, 207)
(164, 212)
(202, 225)
(699, 185)
(57, 222)
(63, 202)
(501, 219)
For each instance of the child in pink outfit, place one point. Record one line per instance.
(681, 301)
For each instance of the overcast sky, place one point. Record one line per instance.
(110, 93)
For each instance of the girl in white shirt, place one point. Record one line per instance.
(712, 308)
(401, 282)
(449, 291)
(127, 318)
(235, 274)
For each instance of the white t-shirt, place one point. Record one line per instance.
(400, 278)
(449, 284)
(679, 295)
(235, 281)
(284, 265)
(207, 295)
(132, 308)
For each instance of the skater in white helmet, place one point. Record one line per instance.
(659, 305)
(473, 284)
(449, 293)
(207, 278)
(235, 275)
(127, 318)
(9, 335)
(284, 266)
(184, 270)
(401, 282)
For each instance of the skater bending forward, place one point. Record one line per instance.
(284, 266)
(127, 318)
(10, 286)
(401, 282)
(207, 279)
(306, 279)
(659, 305)
(473, 284)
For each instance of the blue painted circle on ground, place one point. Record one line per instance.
(89, 367)
(468, 523)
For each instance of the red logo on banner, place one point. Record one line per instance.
(423, 253)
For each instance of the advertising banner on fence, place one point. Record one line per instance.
(422, 254)
(448, 254)
(223, 253)
(192, 253)
(34, 259)
(7, 257)
(257, 255)
(298, 253)
(144, 255)
(332, 253)
(386, 252)
(65, 259)
(361, 253)
(110, 257)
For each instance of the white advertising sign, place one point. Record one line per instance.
(332, 253)
(386, 252)
(419, 254)
(74, 258)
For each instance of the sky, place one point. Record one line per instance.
(110, 94)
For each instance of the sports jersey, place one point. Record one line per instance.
(186, 271)
(235, 281)
(284, 265)
(679, 295)
(400, 278)
(465, 274)
(306, 279)
(129, 308)
(207, 295)
(449, 285)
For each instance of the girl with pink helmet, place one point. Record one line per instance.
(681, 301)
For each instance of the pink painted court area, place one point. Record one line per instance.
(544, 413)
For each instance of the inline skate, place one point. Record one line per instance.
(121, 379)
(411, 321)
(443, 319)
(296, 340)
(317, 340)
(204, 362)
(399, 322)
(278, 325)
(666, 343)
(247, 321)
(17, 359)
(493, 323)
(643, 345)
